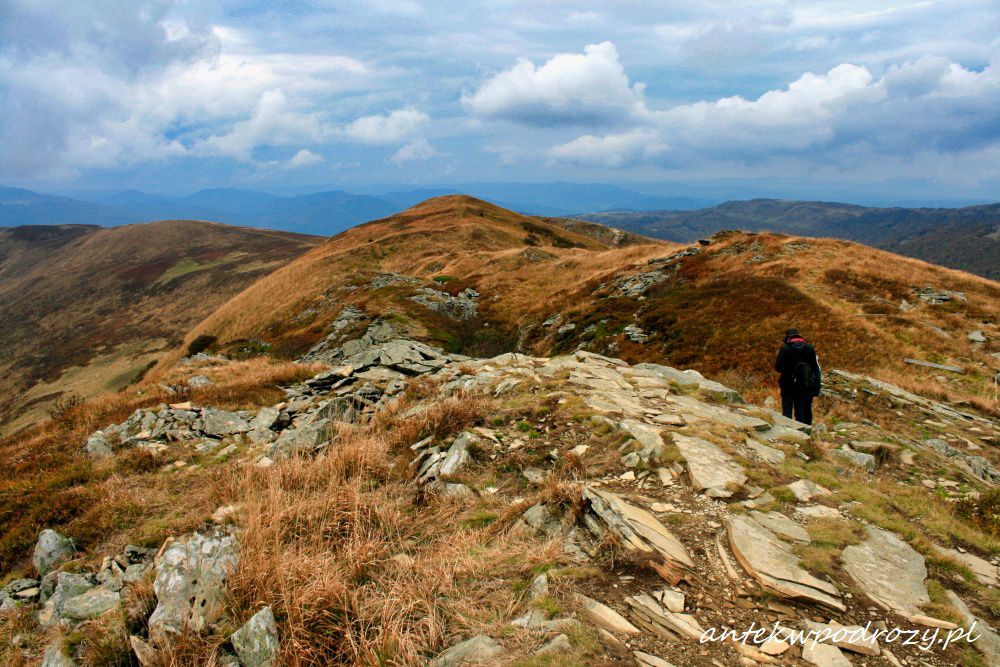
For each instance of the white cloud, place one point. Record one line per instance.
(416, 150)
(305, 158)
(387, 129)
(570, 88)
(274, 122)
(842, 116)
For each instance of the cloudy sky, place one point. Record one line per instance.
(176, 96)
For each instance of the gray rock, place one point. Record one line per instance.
(781, 525)
(604, 616)
(196, 381)
(769, 455)
(98, 446)
(56, 656)
(708, 466)
(265, 418)
(771, 562)
(637, 529)
(256, 643)
(220, 422)
(824, 655)
(977, 336)
(90, 604)
(51, 550)
(806, 489)
(558, 644)
(458, 455)
(859, 459)
(301, 440)
(889, 571)
(480, 650)
(68, 586)
(190, 583)
(988, 642)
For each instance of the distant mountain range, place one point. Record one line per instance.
(323, 213)
(962, 238)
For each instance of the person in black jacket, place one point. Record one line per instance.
(800, 379)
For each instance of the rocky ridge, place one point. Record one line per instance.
(682, 496)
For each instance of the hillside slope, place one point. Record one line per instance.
(962, 238)
(474, 278)
(84, 309)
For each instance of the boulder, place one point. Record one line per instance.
(256, 643)
(98, 445)
(220, 422)
(190, 583)
(889, 571)
(265, 418)
(301, 440)
(90, 604)
(480, 650)
(67, 587)
(51, 550)
(771, 562)
(710, 467)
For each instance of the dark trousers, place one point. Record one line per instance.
(799, 404)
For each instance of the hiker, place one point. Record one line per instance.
(800, 379)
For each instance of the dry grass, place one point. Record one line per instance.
(49, 482)
(319, 537)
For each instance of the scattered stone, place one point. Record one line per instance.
(558, 644)
(256, 643)
(976, 336)
(641, 531)
(604, 616)
(806, 489)
(824, 655)
(480, 650)
(220, 422)
(654, 618)
(649, 660)
(852, 638)
(196, 381)
(769, 455)
(859, 459)
(55, 656)
(98, 445)
(90, 604)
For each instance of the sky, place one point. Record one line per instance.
(172, 97)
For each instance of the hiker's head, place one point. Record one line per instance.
(791, 333)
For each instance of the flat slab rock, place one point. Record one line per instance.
(781, 525)
(770, 561)
(889, 571)
(710, 468)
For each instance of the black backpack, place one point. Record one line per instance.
(805, 376)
